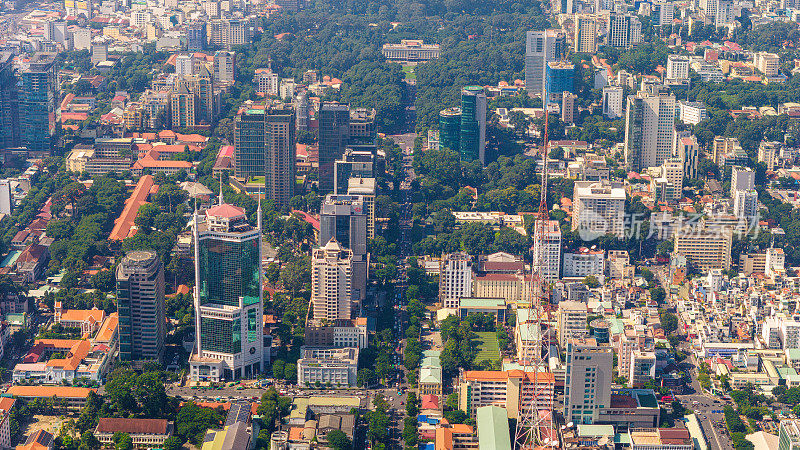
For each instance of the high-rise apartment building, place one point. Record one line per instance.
(344, 218)
(366, 189)
(568, 111)
(224, 67)
(264, 146)
(688, 151)
(455, 279)
(228, 296)
(745, 204)
(547, 250)
(450, 129)
(472, 142)
(649, 129)
(541, 47)
(677, 70)
(334, 135)
(587, 387)
(140, 304)
(668, 186)
(613, 107)
(183, 107)
(331, 282)
(705, 248)
(572, 321)
(38, 103)
(624, 30)
(768, 153)
(662, 13)
(585, 33)
(9, 103)
(598, 208)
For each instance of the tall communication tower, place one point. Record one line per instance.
(535, 425)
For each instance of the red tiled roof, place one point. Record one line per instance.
(124, 223)
(225, 210)
(132, 426)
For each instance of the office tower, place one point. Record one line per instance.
(642, 368)
(789, 434)
(559, 78)
(547, 250)
(742, 179)
(267, 82)
(331, 281)
(228, 33)
(224, 67)
(353, 164)
(585, 33)
(587, 388)
(228, 297)
(38, 103)
(598, 208)
(264, 146)
(745, 204)
(624, 30)
(78, 8)
(56, 31)
(301, 110)
(472, 141)
(362, 128)
(196, 37)
(668, 186)
(365, 188)
(572, 321)
(568, 107)
(455, 279)
(183, 108)
(725, 13)
(9, 103)
(649, 129)
(662, 14)
(768, 153)
(184, 65)
(688, 150)
(704, 247)
(201, 86)
(344, 218)
(450, 129)
(82, 39)
(140, 304)
(99, 53)
(612, 102)
(541, 47)
(334, 135)
(677, 70)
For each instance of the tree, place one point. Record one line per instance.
(104, 280)
(290, 372)
(172, 443)
(591, 281)
(658, 295)
(278, 369)
(669, 322)
(89, 441)
(192, 422)
(337, 440)
(122, 441)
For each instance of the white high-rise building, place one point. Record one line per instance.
(767, 63)
(572, 321)
(790, 334)
(677, 69)
(331, 281)
(598, 208)
(649, 129)
(742, 179)
(587, 387)
(612, 102)
(267, 81)
(455, 279)
(768, 153)
(663, 13)
(775, 260)
(224, 67)
(745, 204)
(541, 47)
(642, 368)
(624, 30)
(547, 250)
(669, 186)
(585, 33)
(184, 65)
(726, 13)
(6, 201)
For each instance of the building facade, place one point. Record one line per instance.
(331, 282)
(140, 304)
(39, 103)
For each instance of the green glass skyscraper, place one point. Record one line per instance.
(38, 103)
(228, 296)
(450, 129)
(473, 124)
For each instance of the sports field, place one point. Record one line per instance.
(488, 348)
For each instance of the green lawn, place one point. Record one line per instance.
(409, 70)
(489, 349)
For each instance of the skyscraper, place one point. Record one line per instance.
(331, 281)
(39, 103)
(624, 30)
(334, 135)
(201, 86)
(559, 78)
(572, 317)
(344, 218)
(587, 388)
(585, 33)
(541, 47)
(547, 250)
(9, 103)
(264, 146)
(196, 40)
(472, 141)
(742, 179)
(455, 279)
(598, 209)
(662, 13)
(228, 296)
(612, 101)
(450, 129)
(224, 67)
(649, 129)
(140, 303)
(301, 110)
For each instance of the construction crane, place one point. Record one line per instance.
(535, 427)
